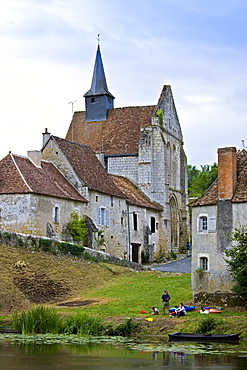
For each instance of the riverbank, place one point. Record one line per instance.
(112, 293)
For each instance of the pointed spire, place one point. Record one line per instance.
(99, 85)
(98, 99)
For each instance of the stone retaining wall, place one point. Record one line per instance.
(31, 241)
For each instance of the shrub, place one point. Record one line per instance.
(74, 249)
(124, 329)
(46, 245)
(83, 324)
(206, 325)
(77, 227)
(39, 320)
(145, 257)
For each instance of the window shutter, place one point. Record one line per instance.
(107, 217)
(99, 216)
(212, 224)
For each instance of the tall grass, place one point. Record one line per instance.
(83, 324)
(39, 320)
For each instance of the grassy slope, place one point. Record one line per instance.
(120, 292)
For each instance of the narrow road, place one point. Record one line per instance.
(183, 266)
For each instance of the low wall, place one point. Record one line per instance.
(18, 240)
(223, 299)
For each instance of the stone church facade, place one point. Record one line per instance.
(143, 144)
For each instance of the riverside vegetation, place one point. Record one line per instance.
(61, 294)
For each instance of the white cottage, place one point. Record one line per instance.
(221, 209)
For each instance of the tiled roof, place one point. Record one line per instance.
(133, 194)
(119, 134)
(209, 197)
(20, 175)
(88, 167)
(240, 194)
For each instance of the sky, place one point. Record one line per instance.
(198, 47)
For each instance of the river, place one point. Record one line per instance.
(36, 353)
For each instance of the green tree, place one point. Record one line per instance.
(237, 261)
(200, 180)
(77, 227)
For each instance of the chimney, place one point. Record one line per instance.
(46, 137)
(227, 172)
(35, 156)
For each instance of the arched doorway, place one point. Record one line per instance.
(174, 217)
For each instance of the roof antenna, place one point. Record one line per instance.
(72, 103)
(242, 145)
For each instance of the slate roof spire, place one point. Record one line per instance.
(98, 99)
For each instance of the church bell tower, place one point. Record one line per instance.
(98, 99)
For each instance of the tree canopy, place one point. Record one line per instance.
(199, 180)
(237, 261)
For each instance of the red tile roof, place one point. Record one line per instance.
(88, 167)
(119, 134)
(20, 175)
(240, 194)
(133, 194)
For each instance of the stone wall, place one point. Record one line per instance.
(19, 240)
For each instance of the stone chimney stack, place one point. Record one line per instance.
(227, 172)
(46, 137)
(35, 156)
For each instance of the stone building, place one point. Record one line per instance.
(123, 169)
(221, 209)
(121, 218)
(143, 144)
(35, 198)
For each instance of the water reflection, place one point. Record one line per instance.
(110, 355)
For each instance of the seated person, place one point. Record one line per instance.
(180, 311)
(155, 311)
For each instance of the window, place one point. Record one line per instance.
(204, 263)
(153, 224)
(96, 198)
(56, 214)
(103, 217)
(111, 200)
(203, 223)
(135, 221)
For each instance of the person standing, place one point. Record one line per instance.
(166, 301)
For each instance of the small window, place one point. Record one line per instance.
(96, 198)
(111, 200)
(204, 263)
(157, 226)
(135, 221)
(92, 100)
(153, 224)
(56, 214)
(203, 224)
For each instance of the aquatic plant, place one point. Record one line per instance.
(83, 324)
(39, 320)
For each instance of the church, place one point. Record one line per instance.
(143, 144)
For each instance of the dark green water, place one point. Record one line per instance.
(34, 353)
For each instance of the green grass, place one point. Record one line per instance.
(128, 295)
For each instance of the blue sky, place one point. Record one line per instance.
(48, 49)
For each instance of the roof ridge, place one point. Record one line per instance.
(23, 178)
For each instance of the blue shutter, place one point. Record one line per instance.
(99, 216)
(107, 217)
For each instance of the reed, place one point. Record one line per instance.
(39, 320)
(83, 324)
